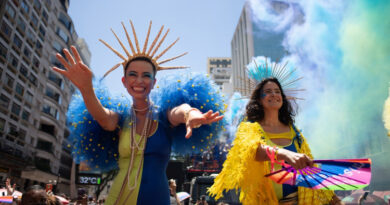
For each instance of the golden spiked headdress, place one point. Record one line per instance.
(260, 69)
(149, 53)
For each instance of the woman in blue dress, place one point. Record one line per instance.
(146, 130)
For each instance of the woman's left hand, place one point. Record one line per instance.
(197, 119)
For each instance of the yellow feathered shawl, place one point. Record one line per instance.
(243, 173)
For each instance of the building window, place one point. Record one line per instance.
(47, 128)
(62, 34)
(34, 20)
(48, 3)
(21, 25)
(25, 7)
(9, 81)
(10, 11)
(4, 101)
(30, 36)
(45, 15)
(53, 77)
(23, 70)
(27, 52)
(32, 79)
(2, 125)
(50, 111)
(57, 46)
(36, 62)
(28, 97)
(17, 41)
(12, 130)
(42, 164)
(64, 19)
(22, 134)
(3, 51)
(38, 46)
(37, 5)
(19, 89)
(25, 115)
(52, 94)
(6, 29)
(42, 30)
(13, 60)
(15, 109)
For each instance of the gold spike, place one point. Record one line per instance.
(128, 38)
(147, 38)
(112, 69)
(286, 76)
(120, 42)
(283, 73)
(167, 60)
(173, 67)
(291, 82)
(164, 51)
(281, 70)
(294, 90)
(159, 44)
(113, 50)
(155, 40)
(135, 37)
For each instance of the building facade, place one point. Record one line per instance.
(33, 98)
(253, 38)
(220, 70)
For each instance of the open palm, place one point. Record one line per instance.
(76, 71)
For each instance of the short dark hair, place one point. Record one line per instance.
(255, 110)
(141, 58)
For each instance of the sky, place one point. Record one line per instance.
(205, 29)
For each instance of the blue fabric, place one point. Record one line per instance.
(154, 183)
(288, 189)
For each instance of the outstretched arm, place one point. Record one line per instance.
(192, 117)
(81, 76)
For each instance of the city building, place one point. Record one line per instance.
(253, 38)
(220, 70)
(33, 98)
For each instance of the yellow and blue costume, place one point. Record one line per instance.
(242, 172)
(146, 177)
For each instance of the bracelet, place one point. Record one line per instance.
(272, 155)
(187, 113)
(276, 153)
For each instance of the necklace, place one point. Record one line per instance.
(142, 109)
(135, 146)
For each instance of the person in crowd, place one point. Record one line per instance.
(268, 135)
(145, 137)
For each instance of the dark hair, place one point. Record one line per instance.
(34, 195)
(255, 110)
(141, 58)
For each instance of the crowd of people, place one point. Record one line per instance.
(211, 159)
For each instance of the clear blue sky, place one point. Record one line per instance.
(205, 28)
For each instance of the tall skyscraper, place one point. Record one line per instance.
(251, 38)
(33, 98)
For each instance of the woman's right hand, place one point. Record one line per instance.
(76, 71)
(296, 160)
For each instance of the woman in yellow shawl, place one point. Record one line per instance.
(270, 126)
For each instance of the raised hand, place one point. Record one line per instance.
(76, 71)
(197, 119)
